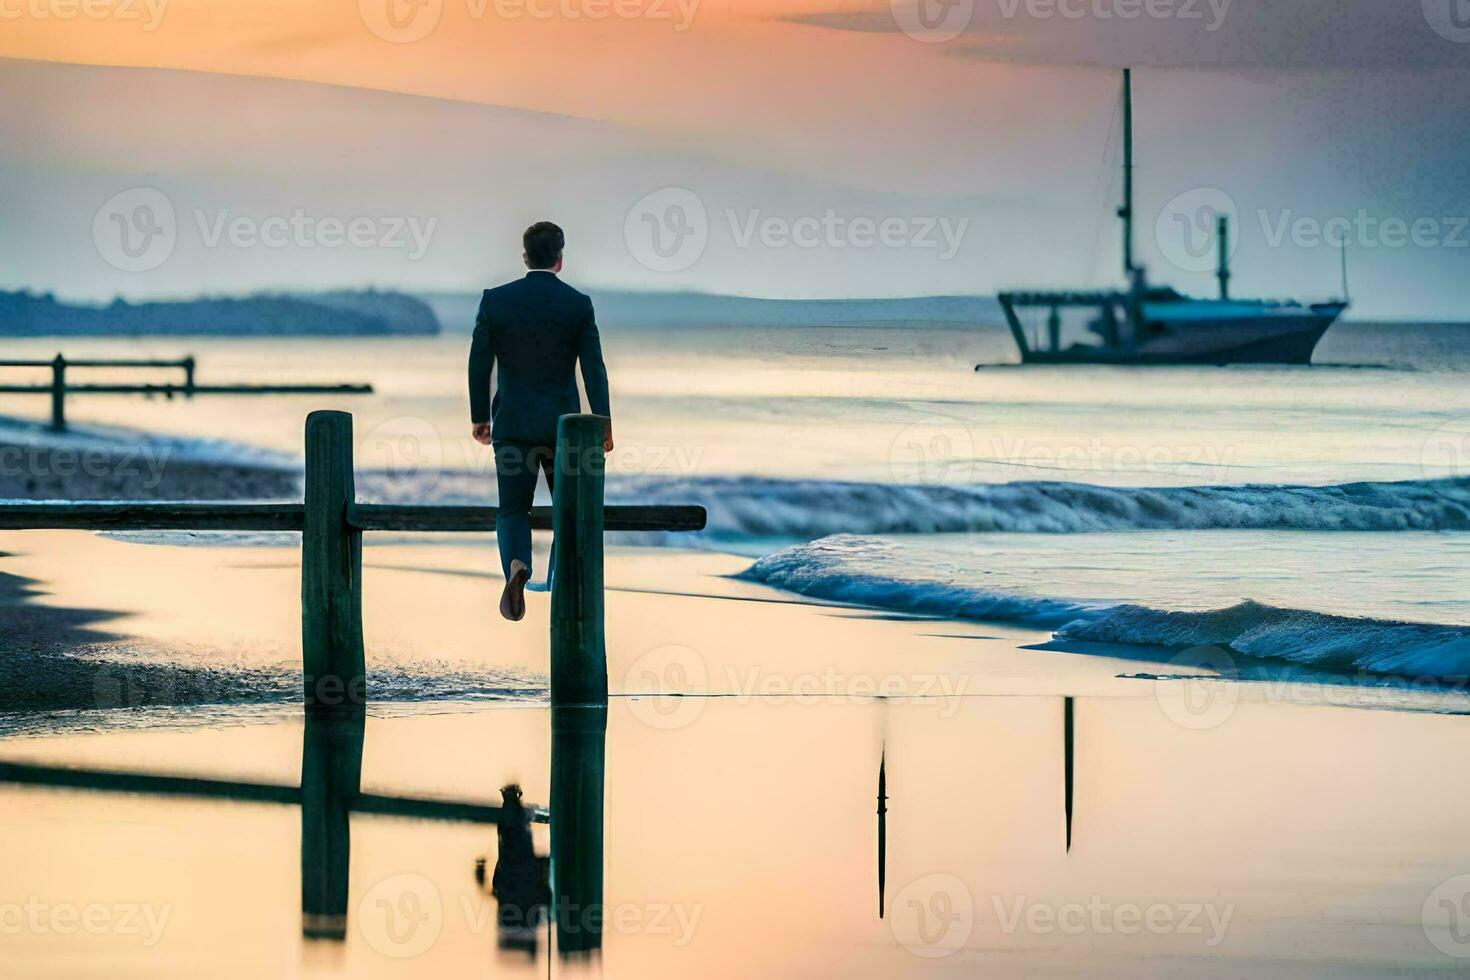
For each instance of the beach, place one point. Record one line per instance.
(1252, 610)
(752, 813)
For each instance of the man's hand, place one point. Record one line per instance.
(481, 433)
(607, 441)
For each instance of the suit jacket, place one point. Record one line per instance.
(535, 329)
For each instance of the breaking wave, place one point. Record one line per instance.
(745, 507)
(832, 569)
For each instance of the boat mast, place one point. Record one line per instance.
(1126, 211)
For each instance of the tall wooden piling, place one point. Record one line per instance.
(578, 655)
(331, 570)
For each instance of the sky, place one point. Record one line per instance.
(804, 148)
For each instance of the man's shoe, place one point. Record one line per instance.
(513, 599)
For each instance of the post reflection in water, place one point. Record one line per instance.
(1069, 737)
(523, 885)
(578, 760)
(331, 773)
(882, 827)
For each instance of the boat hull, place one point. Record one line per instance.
(1289, 339)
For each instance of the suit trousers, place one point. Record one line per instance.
(516, 467)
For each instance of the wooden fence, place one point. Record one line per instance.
(332, 522)
(58, 389)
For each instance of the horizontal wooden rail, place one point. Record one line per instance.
(58, 389)
(177, 389)
(150, 516)
(411, 517)
(180, 362)
(191, 516)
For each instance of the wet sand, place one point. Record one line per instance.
(1251, 831)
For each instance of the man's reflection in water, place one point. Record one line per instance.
(521, 882)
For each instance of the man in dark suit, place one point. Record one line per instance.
(534, 330)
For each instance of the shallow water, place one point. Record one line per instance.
(789, 436)
(745, 842)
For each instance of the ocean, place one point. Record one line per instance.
(1313, 515)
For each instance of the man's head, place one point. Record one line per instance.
(543, 242)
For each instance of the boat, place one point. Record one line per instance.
(1148, 324)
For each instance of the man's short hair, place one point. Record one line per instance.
(544, 242)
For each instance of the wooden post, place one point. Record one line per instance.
(578, 657)
(188, 366)
(58, 394)
(331, 570)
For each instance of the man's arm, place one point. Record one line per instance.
(482, 361)
(594, 372)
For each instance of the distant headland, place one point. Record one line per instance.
(343, 313)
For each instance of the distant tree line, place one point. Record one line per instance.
(361, 313)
